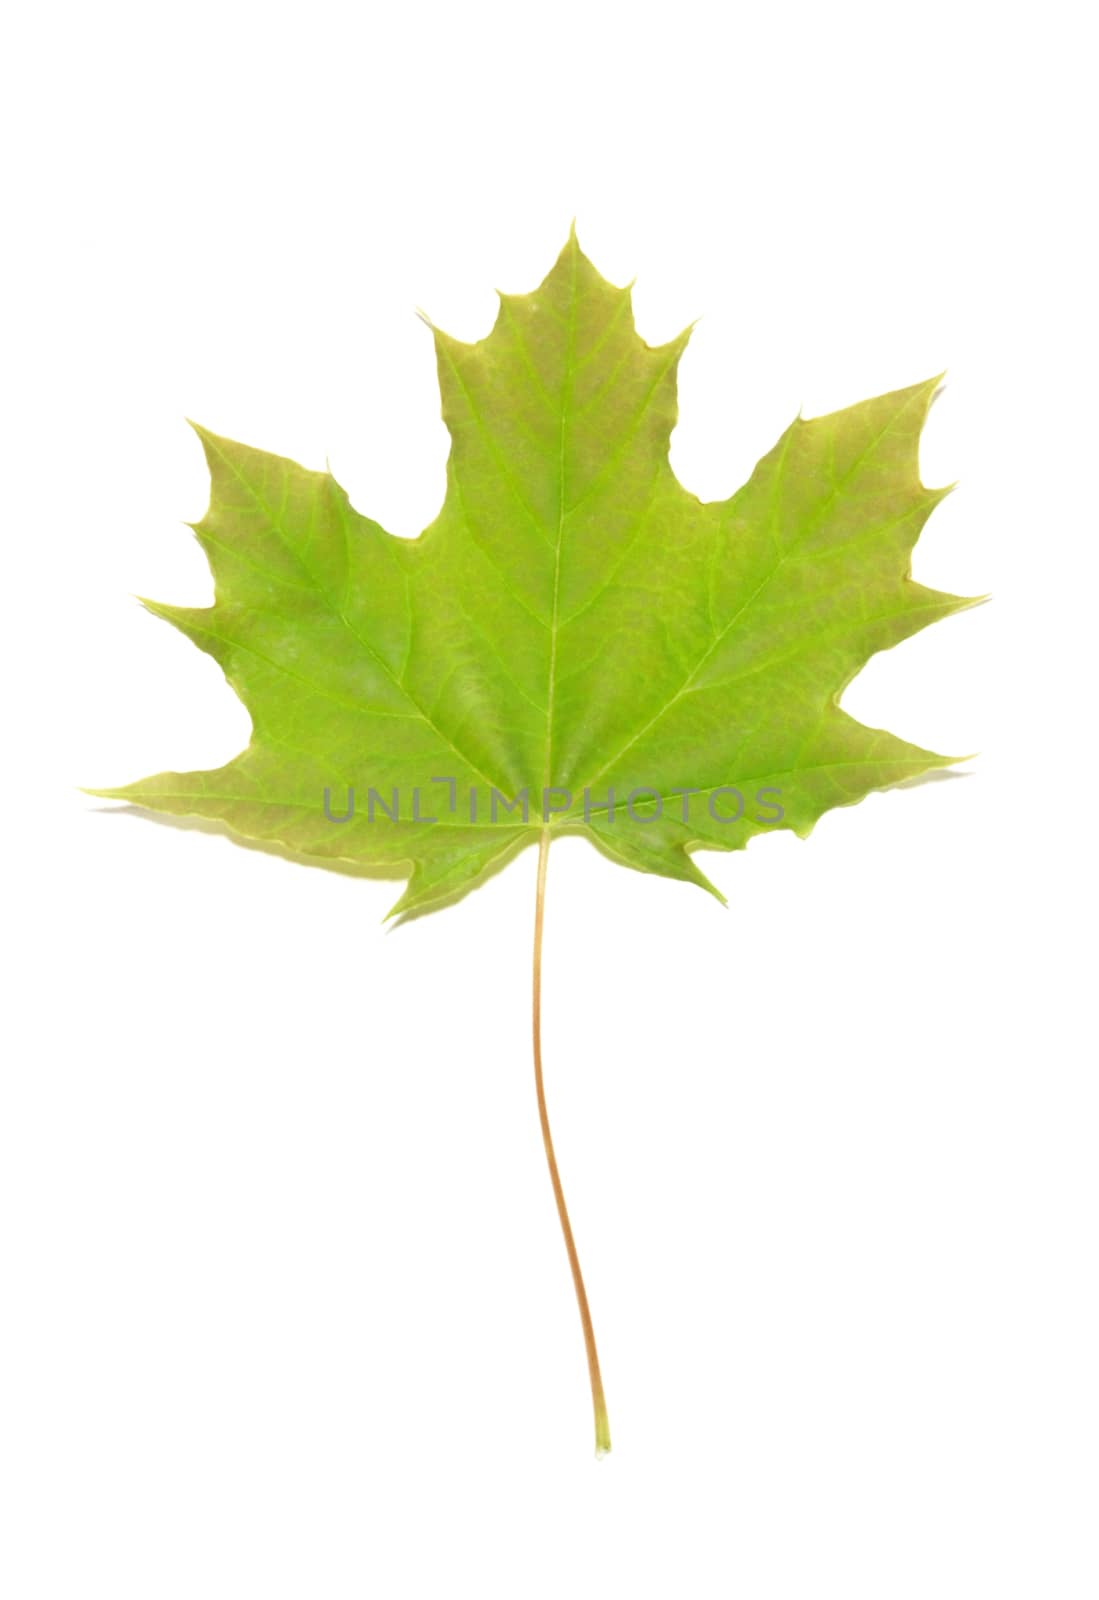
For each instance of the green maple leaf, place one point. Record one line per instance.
(573, 619)
(575, 632)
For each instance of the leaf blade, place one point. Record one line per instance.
(574, 620)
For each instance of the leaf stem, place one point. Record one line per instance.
(599, 1403)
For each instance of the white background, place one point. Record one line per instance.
(285, 1310)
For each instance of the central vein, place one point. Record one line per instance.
(566, 395)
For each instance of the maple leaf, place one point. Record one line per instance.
(576, 644)
(575, 636)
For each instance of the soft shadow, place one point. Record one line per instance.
(392, 873)
(349, 869)
(936, 775)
